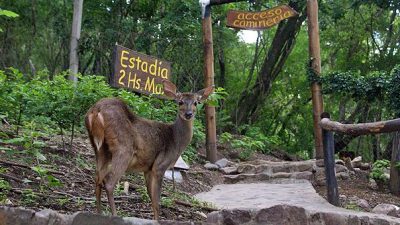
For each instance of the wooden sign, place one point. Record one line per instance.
(139, 72)
(259, 20)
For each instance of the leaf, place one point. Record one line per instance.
(40, 170)
(40, 156)
(53, 182)
(8, 13)
(18, 140)
(26, 180)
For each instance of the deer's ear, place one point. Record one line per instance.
(169, 89)
(203, 94)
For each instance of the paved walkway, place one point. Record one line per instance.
(255, 196)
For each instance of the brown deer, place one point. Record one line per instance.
(124, 142)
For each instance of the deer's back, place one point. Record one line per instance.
(144, 139)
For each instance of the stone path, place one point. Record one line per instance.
(264, 195)
(279, 201)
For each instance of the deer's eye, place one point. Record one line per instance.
(180, 102)
(195, 103)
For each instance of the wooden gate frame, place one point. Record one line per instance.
(315, 63)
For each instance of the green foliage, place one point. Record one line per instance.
(7, 13)
(378, 170)
(217, 96)
(29, 197)
(247, 145)
(143, 194)
(5, 187)
(44, 175)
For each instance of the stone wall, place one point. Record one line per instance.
(276, 215)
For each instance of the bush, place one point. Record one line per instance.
(378, 170)
(58, 104)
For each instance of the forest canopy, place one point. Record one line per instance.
(264, 86)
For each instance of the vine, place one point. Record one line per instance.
(375, 86)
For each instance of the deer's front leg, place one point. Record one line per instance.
(155, 191)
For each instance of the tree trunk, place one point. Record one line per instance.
(75, 35)
(278, 52)
(395, 166)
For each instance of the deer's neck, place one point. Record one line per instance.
(183, 132)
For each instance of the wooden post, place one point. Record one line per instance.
(211, 131)
(329, 159)
(395, 166)
(315, 63)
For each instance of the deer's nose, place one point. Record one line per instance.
(188, 115)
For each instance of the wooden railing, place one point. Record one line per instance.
(328, 127)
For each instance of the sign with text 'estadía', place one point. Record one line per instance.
(139, 72)
(259, 20)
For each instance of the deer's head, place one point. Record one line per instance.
(187, 101)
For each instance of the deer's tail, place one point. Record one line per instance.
(95, 125)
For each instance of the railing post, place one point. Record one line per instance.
(329, 162)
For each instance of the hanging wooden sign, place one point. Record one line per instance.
(259, 20)
(139, 72)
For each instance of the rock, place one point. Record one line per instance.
(342, 198)
(372, 184)
(211, 166)
(177, 176)
(339, 162)
(357, 161)
(126, 188)
(387, 176)
(223, 163)
(8, 202)
(282, 214)
(387, 209)
(320, 163)
(203, 215)
(181, 164)
(343, 175)
(362, 203)
(307, 175)
(365, 166)
(229, 170)
(340, 168)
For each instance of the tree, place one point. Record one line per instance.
(75, 35)
(280, 48)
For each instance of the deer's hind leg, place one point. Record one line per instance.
(115, 170)
(101, 172)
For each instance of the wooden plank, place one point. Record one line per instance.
(211, 130)
(361, 128)
(315, 63)
(139, 72)
(259, 20)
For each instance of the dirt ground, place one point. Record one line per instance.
(75, 171)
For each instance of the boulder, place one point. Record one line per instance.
(362, 203)
(356, 162)
(340, 168)
(177, 176)
(387, 209)
(372, 184)
(211, 166)
(339, 162)
(229, 170)
(365, 166)
(223, 163)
